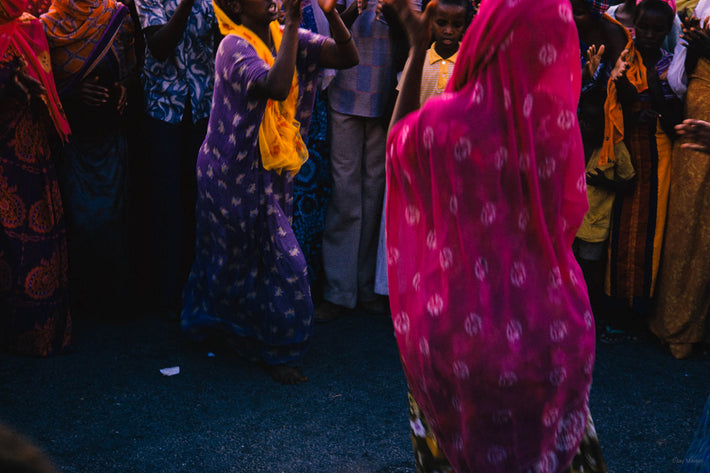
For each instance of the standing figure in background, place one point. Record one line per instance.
(93, 60)
(178, 78)
(682, 315)
(358, 98)
(624, 14)
(486, 192)
(602, 41)
(249, 282)
(451, 18)
(312, 184)
(34, 303)
(641, 110)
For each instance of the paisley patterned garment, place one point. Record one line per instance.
(189, 72)
(34, 315)
(249, 280)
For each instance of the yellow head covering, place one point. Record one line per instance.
(613, 113)
(280, 141)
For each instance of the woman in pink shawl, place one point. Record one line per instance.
(486, 192)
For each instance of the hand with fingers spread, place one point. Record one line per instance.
(27, 86)
(689, 22)
(594, 58)
(698, 38)
(696, 134)
(417, 25)
(621, 66)
(93, 94)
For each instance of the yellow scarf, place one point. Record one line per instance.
(613, 113)
(280, 142)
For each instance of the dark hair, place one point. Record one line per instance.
(224, 6)
(468, 5)
(458, 3)
(19, 455)
(655, 5)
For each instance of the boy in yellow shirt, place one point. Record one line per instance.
(450, 21)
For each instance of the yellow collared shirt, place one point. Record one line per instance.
(435, 74)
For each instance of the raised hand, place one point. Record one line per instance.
(696, 134)
(594, 58)
(417, 25)
(698, 38)
(621, 66)
(689, 22)
(292, 9)
(326, 5)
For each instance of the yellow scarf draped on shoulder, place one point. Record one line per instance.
(613, 113)
(280, 142)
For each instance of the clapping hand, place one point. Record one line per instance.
(697, 36)
(696, 134)
(621, 66)
(292, 11)
(417, 25)
(326, 5)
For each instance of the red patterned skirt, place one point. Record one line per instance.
(34, 309)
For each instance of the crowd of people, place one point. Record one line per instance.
(253, 167)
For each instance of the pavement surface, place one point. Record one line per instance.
(107, 408)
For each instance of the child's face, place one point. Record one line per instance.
(582, 17)
(651, 29)
(448, 26)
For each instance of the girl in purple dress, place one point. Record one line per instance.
(249, 280)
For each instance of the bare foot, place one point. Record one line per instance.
(285, 374)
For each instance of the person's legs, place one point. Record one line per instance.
(381, 284)
(373, 189)
(194, 135)
(341, 238)
(165, 233)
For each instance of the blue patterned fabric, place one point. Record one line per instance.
(249, 280)
(312, 186)
(189, 71)
(363, 90)
(697, 459)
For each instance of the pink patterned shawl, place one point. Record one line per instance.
(486, 192)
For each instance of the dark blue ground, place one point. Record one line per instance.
(106, 408)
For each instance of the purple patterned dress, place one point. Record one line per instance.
(249, 280)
